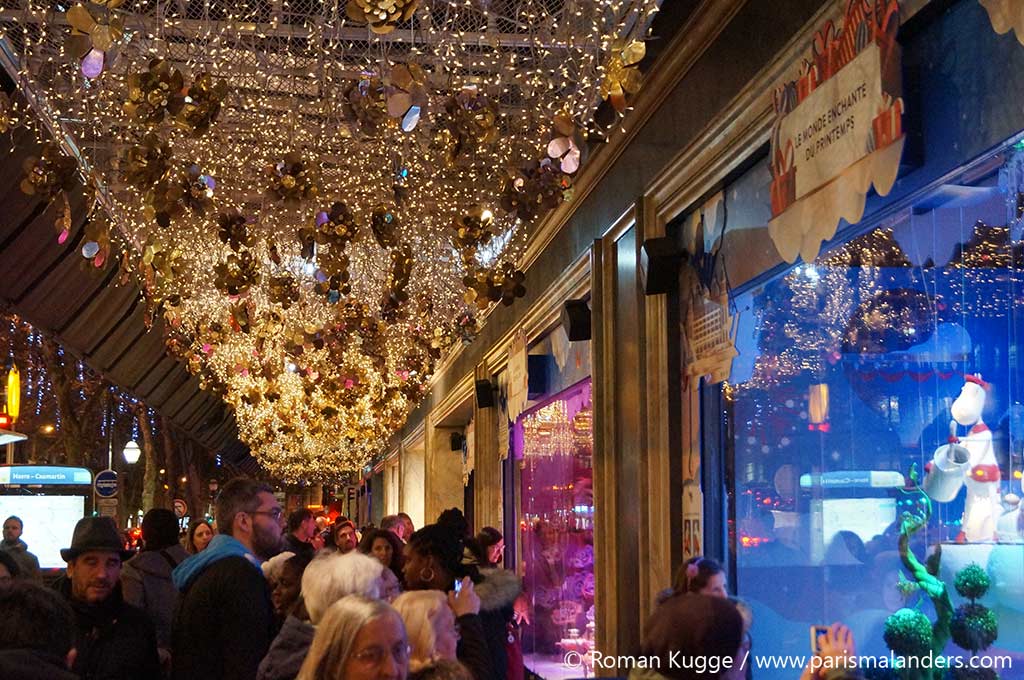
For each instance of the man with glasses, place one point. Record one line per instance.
(225, 620)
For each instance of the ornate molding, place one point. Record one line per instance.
(457, 395)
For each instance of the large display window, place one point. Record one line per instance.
(553, 444)
(889, 367)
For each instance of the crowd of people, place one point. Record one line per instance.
(258, 595)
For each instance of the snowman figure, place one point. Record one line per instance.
(968, 461)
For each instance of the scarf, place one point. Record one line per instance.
(221, 547)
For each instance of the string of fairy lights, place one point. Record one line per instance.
(319, 198)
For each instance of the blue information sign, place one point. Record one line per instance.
(106, 484)
(44, 475)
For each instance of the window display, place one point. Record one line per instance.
(553, 445)
(894, 359)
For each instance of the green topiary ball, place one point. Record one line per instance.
(908, 632)
(974, 626)
(972, 582)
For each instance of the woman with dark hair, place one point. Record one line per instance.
(492, 547)
(200, 533)
(701, 575)
(386, 548)
(437, 556)
(489, 548)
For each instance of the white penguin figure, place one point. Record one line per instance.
(979, 473)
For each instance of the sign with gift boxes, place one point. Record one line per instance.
(842, 107)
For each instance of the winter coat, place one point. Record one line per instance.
(288, 651)
(473, 651)
(27, 562)
(390, 586)
(497, 592)
(115, 641)
(300, 548)
(30, 664)
(146, 584)
(442, 670)
(225, 620)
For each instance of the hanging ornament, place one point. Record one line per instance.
(502, 283)
(154, 93)
(284, 290)
(49, 174)
(365, 103)
(168, 264)
(201, 104)
(395, 295)
(93, 33)
(145, 164)
(565, 147)
(473, 230)
(621, 75)
(191, 191)
(536, 189)
(63, 222)
(337, 227)
(291, 180)
(407, 95)
(96, 247)
(472, 122)
(241, 317)
(384, 225)
(234, 230)
(237, 274)
(382, 16)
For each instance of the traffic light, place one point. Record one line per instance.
(6, 421)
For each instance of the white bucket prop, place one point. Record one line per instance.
(949, 468)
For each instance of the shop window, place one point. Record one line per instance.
(850, 377)
(553, 445)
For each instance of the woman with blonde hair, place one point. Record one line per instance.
(358, 639)
(325, 581)
(430, 623)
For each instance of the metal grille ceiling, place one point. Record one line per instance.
(317, 198)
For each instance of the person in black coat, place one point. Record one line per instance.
(301, 530)
(37, 635)
(114, 640)
(438, 555)
(225, 620)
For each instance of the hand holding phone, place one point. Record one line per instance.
(457, 586)
(818, 635)
(463, 599)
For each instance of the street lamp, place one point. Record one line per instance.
(132, 452)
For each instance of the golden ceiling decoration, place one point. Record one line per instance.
(320, 197)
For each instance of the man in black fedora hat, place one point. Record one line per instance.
(113, 639)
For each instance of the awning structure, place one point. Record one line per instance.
(59, 292)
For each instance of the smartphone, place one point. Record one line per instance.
(817, 632)
(458, 586)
